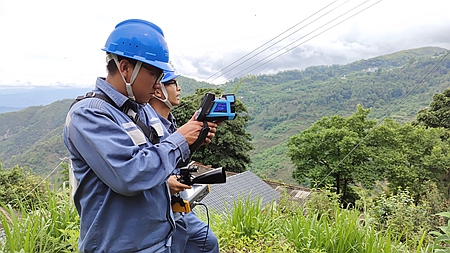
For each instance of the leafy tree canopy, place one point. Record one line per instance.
(438, 113)
(342, 151)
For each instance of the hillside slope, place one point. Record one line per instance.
(283, 104)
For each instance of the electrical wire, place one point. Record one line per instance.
(235, 75)
(304, 37)
(220, 71)
(207, 225)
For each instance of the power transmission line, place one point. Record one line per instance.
(218, 72)
(62, 160)
(221, 73)
(304, 37)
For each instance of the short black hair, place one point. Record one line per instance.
(112, 67)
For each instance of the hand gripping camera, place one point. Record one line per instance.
(187, 199)
(211, 109)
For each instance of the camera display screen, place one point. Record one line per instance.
(221, 107)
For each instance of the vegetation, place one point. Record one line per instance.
(33, 137)
(438, 113)
(284, 104)
(320, 224)
(384, 181)
(17, 184)
(50, 226)
(345, 151)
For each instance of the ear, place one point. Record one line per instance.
(125, 68)
(159, 93)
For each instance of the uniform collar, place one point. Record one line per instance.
(118, 98)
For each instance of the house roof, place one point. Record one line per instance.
(242, 185)
(297, 193)
(247, 184)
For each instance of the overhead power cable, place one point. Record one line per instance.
(231, 64)
(304, 37)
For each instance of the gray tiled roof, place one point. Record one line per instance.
(241, 185)
(297, 193)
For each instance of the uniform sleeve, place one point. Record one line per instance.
(110, 152)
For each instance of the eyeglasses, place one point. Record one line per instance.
(171, 82)
(159, 75)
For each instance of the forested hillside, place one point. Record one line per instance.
(280, 105)
(286, 103)
(32, 137)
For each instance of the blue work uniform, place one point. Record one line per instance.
(192, 235)
(122, 196)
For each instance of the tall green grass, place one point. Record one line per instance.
(344, 231)
(49, 226)
(52, 225)
(310, 228)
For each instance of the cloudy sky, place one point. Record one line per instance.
(58, 42)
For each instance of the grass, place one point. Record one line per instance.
(48, 226)
(52, 226)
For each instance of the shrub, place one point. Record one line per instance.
(399, 214)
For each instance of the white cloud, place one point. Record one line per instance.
(53, 42)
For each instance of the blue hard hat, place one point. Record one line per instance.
(169, 75)
(140, 40)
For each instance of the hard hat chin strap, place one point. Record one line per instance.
(166, 100)
(133, 75)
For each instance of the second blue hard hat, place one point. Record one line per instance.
(169, 75)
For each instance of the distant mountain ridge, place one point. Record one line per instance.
(17, 98)
(10, 109)
(25, 97)
(281, 105)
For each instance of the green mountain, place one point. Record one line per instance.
(286, 103)
(32, 137)
(281, 105)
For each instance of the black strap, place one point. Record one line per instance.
(194, 146)
(151, 133)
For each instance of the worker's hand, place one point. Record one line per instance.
(175, 186)
(191, 130)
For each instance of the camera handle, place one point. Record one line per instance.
(201, 137)
(197, 143)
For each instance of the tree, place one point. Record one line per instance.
(410, 156)
(438, 113)
(229, 148)
(325, 153)
(344, 151)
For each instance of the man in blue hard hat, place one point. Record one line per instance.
(120, 158)
(192, 234)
